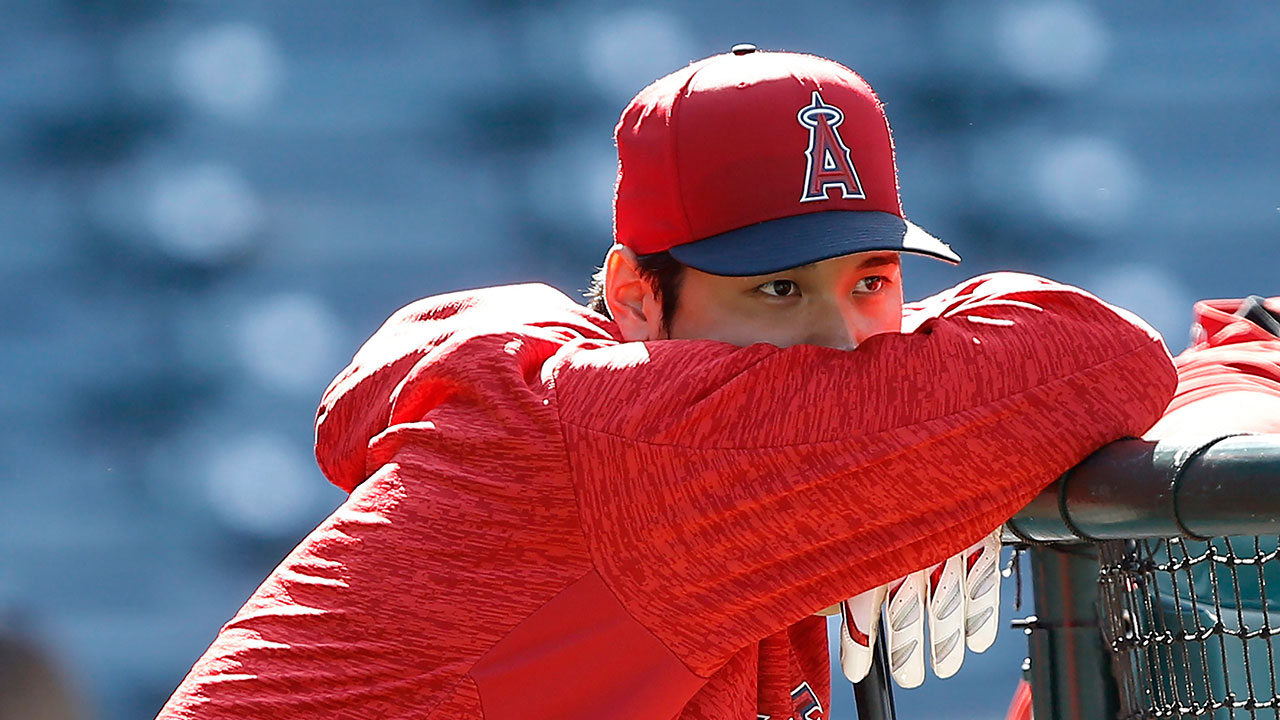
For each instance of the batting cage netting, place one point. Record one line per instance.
(1151, 563)
(1150, 569)
(1190, 626)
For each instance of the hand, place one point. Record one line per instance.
(959, 600)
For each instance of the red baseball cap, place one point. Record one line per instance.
(752, 162)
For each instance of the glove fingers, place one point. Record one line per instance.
(982, 591)
(957, 600)
(859, 626)
(946, 616)
(904, 629)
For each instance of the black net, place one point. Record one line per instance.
(1189, 625)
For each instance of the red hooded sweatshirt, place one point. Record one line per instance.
(546, 522)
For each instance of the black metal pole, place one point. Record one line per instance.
(874, 695)
(1070, 667)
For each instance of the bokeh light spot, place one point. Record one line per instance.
(1152, 292)
(1087, 181)
(1055, 45)
(288, 342)
(205, 213)
(627, 50)
(230, 70)
(261, 485)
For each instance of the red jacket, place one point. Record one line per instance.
(545, 522)
(1229, 379)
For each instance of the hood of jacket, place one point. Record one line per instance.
(357, 406)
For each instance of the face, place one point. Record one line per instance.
(835, 303)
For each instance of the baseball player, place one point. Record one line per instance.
(557, 513)
(1228, 382)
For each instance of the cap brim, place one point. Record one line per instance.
(789, 242)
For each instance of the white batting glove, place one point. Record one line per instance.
(958, 600)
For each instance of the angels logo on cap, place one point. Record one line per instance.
(710, 157)
(833, 167)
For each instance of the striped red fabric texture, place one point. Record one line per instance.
(547, 522)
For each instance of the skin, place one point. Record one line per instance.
(836, 303)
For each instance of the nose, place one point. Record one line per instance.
(833, 327)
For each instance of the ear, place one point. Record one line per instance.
(632, 301)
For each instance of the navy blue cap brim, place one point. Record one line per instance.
(775, 245)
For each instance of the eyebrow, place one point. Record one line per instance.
(880, 261)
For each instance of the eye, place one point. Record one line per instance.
(780, 288)
(871, 284)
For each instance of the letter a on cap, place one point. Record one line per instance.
(829, 164)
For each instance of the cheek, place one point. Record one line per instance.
(893, 314)
(775, 327)
(891, 318)
(884, 315)
(713, 322)
(695, 321)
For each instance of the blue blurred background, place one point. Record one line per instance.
(207, 206)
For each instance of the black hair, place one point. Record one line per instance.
(664, 274)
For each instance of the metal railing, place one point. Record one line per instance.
(1128, 490)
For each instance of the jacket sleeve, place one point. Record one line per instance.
(728, 492)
